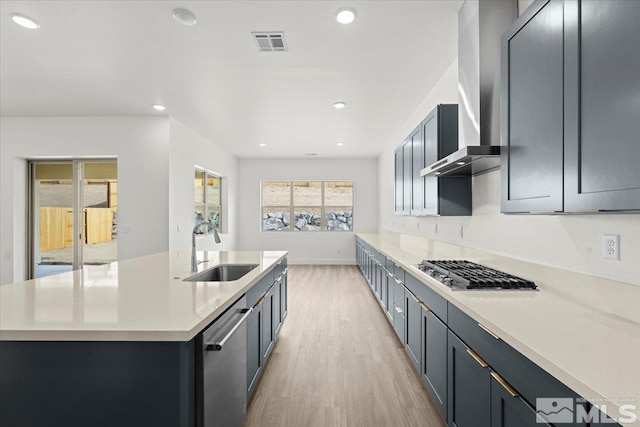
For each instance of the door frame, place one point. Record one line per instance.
(77, 165)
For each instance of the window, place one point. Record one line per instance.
(307, 205)
(208, 201)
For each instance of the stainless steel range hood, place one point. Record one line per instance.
(480, 25)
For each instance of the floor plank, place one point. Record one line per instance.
(337, 361)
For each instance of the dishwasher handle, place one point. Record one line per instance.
(217, 346)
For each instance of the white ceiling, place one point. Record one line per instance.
(119, 57)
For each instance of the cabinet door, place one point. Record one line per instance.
(407, 175)
(277, 313)
(434, 358)
(468, 387)
(398, 311)
(267, 325)
(602, 119)
(430, 183)
(532, 110)
(508, 409)
(283, 294)
(254, 349)
(399, 179)
(417, 160)
(413, 328)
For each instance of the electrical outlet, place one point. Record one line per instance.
(338, 250)
(435, 228)
(417, 226)
(178, 228)
(461, 233)
(611, 246)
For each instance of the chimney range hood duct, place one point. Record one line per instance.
(480, 26)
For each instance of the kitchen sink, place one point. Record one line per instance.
(222, 273)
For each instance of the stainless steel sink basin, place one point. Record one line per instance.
(222, 273)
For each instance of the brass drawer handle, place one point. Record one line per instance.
(426, 307)
(505, 384)
(397, 281)
(415, 298)
(477, 358)
(487, 330)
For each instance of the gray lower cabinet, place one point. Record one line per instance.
(268, 327)
(413, 328)
(434, 358)
(532, 103)
(277, 312)
(569, 119)
(602, 119)
(398, 310)
(254, 349)
(468, 387)
(508, 409)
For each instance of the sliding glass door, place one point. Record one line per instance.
(73, 215)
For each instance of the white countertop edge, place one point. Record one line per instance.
(177, 335)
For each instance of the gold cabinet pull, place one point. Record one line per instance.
(425, 307)
(505, 384)
(487, 330)
(477, 358)
(415, 298)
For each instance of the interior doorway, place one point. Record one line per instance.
(73, 215)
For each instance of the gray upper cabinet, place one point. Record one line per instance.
(602, 108)
(407, 174)
(417, 163)
(447, 195)
(399, 179)
(531, 102)
(570, 116)
(434, 138)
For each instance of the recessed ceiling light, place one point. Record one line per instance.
(159, 107)
(340, 105)
(345, 15)
(262, 144)
(24, 21)
(437, 173)
(460, 163)
(339, 144)
(185, 17)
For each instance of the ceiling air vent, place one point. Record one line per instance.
(270, 42)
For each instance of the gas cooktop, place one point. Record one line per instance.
(469, 275)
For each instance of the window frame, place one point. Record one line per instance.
(206, 204)
(292, 208)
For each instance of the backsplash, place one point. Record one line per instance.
(573, 242)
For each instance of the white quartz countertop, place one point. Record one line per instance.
(583, 330)
(141, 299)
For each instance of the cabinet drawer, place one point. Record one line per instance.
(258, 290)
(435, 302)
(524, 375)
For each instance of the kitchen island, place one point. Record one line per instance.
(118, 344)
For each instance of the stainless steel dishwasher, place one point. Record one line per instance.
(221, 360)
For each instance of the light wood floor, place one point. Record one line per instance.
(337, 361)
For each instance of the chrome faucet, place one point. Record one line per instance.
(216, 237)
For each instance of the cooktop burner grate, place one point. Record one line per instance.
(469, 275)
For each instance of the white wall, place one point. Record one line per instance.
(141, 145)
(573, 242)
(188, 149)
(306, 247)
